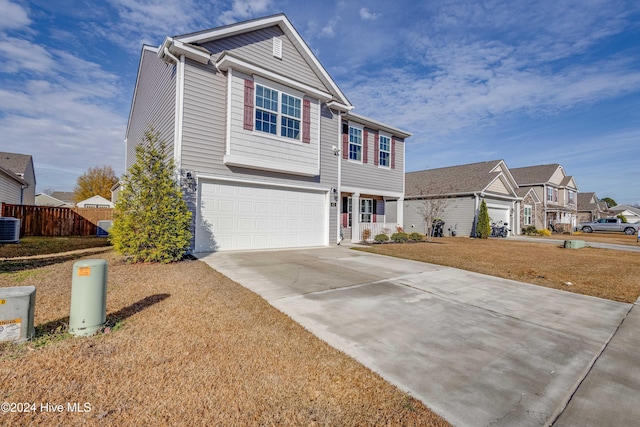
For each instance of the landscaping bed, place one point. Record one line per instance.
(187, 346)
(602, 273)
(30, 246)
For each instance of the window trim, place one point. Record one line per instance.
(380, 151)
(362, 213)
(528, 216)
(280, 115)
(549, 194)
(359, 127)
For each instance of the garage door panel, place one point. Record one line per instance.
(237, 216)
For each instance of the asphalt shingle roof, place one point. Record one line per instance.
(451, 180)
(18, 163)
(534, 174)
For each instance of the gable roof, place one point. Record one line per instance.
(17, 163)
(12, 175)
(95, 200)
(620, 208)
(457, 180)
(522, 192)
(532, 175)
(189, 45)
(43, 199)
(587, 201)
(65, 196)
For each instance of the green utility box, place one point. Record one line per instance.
(88, 297)
(574, 244)
(17, 305)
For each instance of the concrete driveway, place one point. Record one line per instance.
(478, 350)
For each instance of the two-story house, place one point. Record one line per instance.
(17, 179)
(268, 150)
(557, 191)
(590, 208)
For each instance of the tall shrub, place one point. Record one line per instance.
(151, 220)
(483, 228)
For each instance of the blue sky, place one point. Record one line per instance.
(532, 82)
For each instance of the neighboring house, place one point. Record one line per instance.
(115, 191)
(557, 190)
(459, 190)
(67, 197)
(95, 202)
(43, 199)
(21, 191)
(531, 209)
(590, 208)
(268, 151)
(631, 213)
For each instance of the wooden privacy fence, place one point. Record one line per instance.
(52, 221)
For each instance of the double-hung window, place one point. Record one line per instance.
(384, 151)
(366, 210)
(355, 144)
(528, 211)
(277, 113)
(549, 194)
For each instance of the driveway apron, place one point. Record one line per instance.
(477, 349)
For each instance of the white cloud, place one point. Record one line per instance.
(244, 9)
(13, 16)
(367, 15)
(22, 55)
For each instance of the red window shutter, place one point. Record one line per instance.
(306, 121)
(376, 149)
(393, 153)
(365, 146)
(345, 220)
(248, 104)
(345, 145)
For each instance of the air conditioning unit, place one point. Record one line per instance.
(9, 230)
(103, 228)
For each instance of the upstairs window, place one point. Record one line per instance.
(549, 194)
(384, 152)
(277, 113)
(266, 110)
(355, 144)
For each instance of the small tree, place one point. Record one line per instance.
(483, 227)
(432, 208)
(610, 202)
(95, 181)
(151, 221)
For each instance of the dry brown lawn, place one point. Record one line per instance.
(603, 273)
(187, 346)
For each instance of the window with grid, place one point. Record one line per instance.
(278, 110)
(355, 144)
(384, 151)
(528, 214)
(549, 194)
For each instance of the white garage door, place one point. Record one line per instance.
(240, 216)
(499, 213)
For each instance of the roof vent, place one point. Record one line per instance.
(277, 47)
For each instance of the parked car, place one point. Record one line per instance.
(608, 224)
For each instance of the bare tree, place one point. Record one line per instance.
(432, 206)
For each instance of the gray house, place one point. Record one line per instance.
(269, 152)
(456, 193)
(17, 179)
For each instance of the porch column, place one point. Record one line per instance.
(355, 218)
(400, 213)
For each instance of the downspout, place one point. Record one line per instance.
(177, 139)
(22, 188)
(475, 214)
(339, 190)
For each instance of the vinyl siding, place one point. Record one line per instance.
(557, 177)
(498, 186)
(256, 47)
(368, 175)
(9, 190)
(204, 131)
(459, 214)
(329, 164)
(263, 146)
(154, 104)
